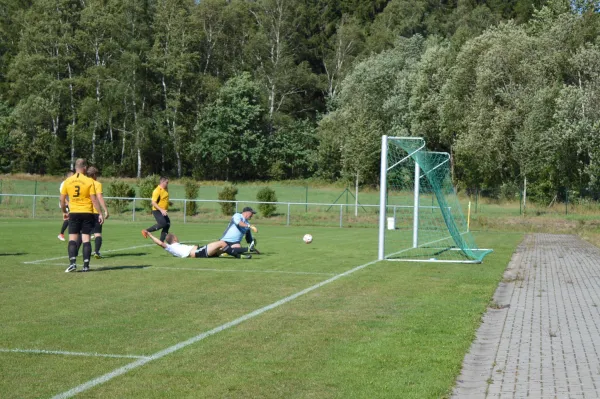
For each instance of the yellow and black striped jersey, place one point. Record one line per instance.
(161, 197)
(79, 188)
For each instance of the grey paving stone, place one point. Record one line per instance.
(546, 342)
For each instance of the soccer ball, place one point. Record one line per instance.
(307, 238)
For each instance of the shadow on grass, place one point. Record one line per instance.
(14, 254)
(105, 269)
(125, 254)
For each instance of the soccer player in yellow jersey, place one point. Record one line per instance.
(160, 205)
(82, 200)
(65, 224)
(92, 173)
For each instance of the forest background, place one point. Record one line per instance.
(279, 89)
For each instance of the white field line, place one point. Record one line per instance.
(65, 353)
(31, 262)
(199, 269)
(237, 270)
(160, 354)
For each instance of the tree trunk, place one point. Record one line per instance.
(73, 119)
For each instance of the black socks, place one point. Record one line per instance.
(98, 242)
(87, 253)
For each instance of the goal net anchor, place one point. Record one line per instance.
(425, 222)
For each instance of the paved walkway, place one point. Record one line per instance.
(541, 339)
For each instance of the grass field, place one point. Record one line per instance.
(299, 321)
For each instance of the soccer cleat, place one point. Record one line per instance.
(98, 256)
(61, 237)
(224, 255)
(86, 269)
(71, 268)
(145, 233)
(245, 257)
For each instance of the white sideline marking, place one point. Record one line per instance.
(138, 363)
(237, 270)
(46, 352)
(66, 257)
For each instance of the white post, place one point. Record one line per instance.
(524, 194)
(356, 197)
(416, 207)
(382, 196)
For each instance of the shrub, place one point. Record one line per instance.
(228, 193)
(147, 185)
(119, 188)
(191, 193)
(266, 194)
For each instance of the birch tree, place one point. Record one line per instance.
(172, 58)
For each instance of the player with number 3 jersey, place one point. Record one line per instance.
(82, 200)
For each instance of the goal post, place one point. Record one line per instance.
(420, 217)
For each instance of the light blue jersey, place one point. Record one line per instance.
(234, 232)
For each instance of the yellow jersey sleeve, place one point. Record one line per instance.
(161, 197)
(98, 188)
(79, 188)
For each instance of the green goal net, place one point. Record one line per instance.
(421, 218)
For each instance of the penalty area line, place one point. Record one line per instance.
(201, 269)
(158, 355)
(32, 262)
(67, 353)
(198, 269)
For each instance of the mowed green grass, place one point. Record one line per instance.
(390, 329)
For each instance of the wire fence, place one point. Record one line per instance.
(137, 210)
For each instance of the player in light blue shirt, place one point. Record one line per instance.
(240, 227)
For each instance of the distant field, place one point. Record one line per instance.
(300, 321)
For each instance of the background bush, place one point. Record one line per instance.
(266, 194)
(147, 185)
(191, 193)
(119, 188)
(228, 193)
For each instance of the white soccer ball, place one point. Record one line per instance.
(307, 238)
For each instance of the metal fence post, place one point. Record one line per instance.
(133, 214)
(341, 213)
(34, 197)
(288, 215)
(184, 209)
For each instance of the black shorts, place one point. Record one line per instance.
(81, 223)
(201, 252)
(97, 225)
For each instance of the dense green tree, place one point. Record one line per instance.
(230, 140)
(292, 149)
